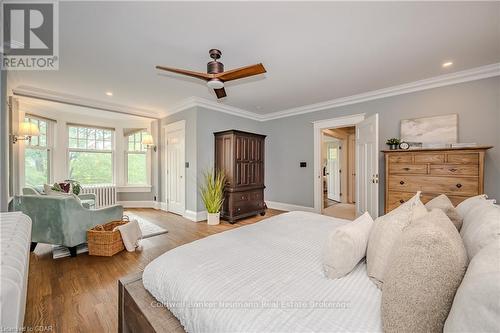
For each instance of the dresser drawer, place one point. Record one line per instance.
(399, 168)
(435, 184)
(400, 158)
(455, 169)
(463, 158)
(429, 158)
(395, 199)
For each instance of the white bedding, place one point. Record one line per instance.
(245, 280)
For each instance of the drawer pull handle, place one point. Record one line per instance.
(459, 185)
(238, 209)
(453, 170)
(402, 182)
(242, 197)
(406, 169)
(401, 201)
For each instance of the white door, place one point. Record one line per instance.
(333, 171)
(367, 166)
(175, 167)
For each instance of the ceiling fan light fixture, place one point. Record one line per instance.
(215, 84)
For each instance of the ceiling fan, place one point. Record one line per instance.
(216, 76)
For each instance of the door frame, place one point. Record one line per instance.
(169, 128)
(319, 126)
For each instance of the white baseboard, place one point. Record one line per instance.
(195, 216)
(288, 207)
(139, 204)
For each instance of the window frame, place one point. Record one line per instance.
(49, 144)
(69, 150)
(145, 152)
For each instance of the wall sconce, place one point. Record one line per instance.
(26, 131)
(147, 140)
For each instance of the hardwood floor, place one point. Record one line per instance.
(80, 294)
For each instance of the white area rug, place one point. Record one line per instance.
(341, 211)
(148, 229)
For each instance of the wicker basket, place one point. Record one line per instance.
(103, 241)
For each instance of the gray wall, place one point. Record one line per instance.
(4, 143)
(201, 124)
(290, 140)
(213, 121)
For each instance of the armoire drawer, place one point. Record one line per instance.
(435, 184)
(455, 169)
(400, 168)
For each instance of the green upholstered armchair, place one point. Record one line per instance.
(62, 220)
(87, 199)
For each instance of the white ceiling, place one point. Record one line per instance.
(313, 52)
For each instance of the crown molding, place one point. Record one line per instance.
(58, 97)
(473, 74)
(193, 101)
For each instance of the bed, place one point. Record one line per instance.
(265, 277)
(14, 245)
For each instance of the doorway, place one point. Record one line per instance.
(338, 154)
(346, 166)
(175, 167)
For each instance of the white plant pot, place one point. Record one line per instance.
(213, 218)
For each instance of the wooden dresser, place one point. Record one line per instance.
(241, 156)
(458, 173)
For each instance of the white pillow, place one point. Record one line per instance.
(476, 307)
(385, 232)
(443, 203)
(481, 226)
(464, 207)
(346, 246)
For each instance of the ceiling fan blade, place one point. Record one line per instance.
(198, 75)
(220, 92)
(242, 72)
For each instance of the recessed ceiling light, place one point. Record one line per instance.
(109, 93)
(447, 64)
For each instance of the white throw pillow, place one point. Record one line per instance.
(464, 207)
(481, 226)
(385, 232)
(476, 307)
(346, 246)
(443, 203)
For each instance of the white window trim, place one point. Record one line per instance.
(23, 145)
(135, 187)
(81, 150)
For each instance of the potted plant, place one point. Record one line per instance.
(212, 194)
(393, 143)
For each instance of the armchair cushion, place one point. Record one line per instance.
(62, 220)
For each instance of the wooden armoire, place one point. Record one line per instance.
(456, 172)
(241, 156)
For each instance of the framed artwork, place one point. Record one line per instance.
(431, 130)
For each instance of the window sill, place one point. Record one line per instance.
(134, 188)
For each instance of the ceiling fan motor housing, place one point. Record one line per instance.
(214, 67)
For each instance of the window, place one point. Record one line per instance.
(37, 155)
(136, 160)
(90, 154)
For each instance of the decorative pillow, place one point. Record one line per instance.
(425, 269)
(476, 307)
(346, 246)
(49, 190)
(442, 202)
(481, 226)
(385, 232)
(464, 207)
